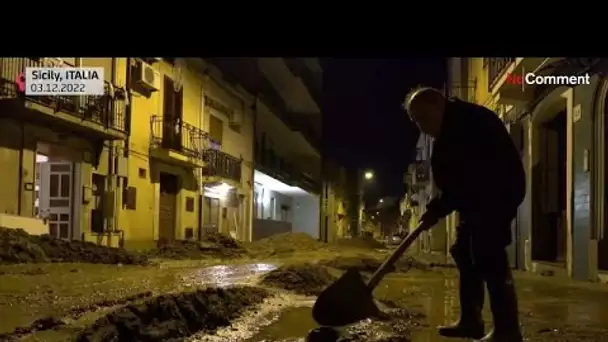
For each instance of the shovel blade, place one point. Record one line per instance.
(346, 301)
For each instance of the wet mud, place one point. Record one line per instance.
(52, 322)
(366, 264)
(306, 279)
(359, 263)
(17, 246)
(296, 324)
(284, 244)
(361, 242)
(211, 245)
(175, 316)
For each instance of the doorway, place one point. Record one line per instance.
(549, 183)
(98, 206)
(602, 248)
(54, 193)
(167, 207)
(211, 214)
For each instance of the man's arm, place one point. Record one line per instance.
(439, 207)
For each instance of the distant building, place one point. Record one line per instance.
(419, 190)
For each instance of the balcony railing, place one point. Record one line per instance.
(222, 165)
(422, 171)
(105, 110)
(174, 134)
(496, 67)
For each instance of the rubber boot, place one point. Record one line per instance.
(503, 302)
(470, 324)
(471, 293)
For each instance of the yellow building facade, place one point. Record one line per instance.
(166, 153)
(210, 163)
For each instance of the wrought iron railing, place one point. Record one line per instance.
(222, 164)
(422, 171)
(174, 134)
(275, 165)
(496, 67)
(107, 110)
(307, 182)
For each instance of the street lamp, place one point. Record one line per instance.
(368, 175)
(381, 200)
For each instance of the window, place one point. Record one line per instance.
(173, 100)
(216, 129)
(272, 209)
(284, 213)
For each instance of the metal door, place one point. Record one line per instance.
(56, 190)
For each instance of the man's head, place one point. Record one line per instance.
(426, 106)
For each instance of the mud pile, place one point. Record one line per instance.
(17, 246)
(361, 242)
(174, 316)
(212, 245)
(306, 279)
(359, 263)
(284, 243)
(366, 264)
(407, 263)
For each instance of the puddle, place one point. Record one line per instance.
(291, 325)
(225, 275)
(256, 321)
(550, 309)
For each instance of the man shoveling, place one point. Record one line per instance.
(479, 173)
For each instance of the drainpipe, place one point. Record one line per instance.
(112, 182)
(20, 176)
(201, 122)
(254, 109)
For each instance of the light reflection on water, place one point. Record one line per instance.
(225, 275)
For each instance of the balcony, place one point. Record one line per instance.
(497, 66)
(177, 142)
(499, 69)
(307, 183)
(221, 167)
(100, 116)
(274, 166)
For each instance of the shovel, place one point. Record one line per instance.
(349, 299)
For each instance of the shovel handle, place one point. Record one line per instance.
(403, 246)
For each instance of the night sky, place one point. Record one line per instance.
(364, 124)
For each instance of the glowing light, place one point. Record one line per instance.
(272, 184)
(41, 159)
(220, 190)
(369, 175)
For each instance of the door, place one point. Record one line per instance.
(56, 197)
(211, 214)
(602, 228)
(172, 116)
(167, 206)
(98, 207)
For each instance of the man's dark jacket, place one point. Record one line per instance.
(476, 166)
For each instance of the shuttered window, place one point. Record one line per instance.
(216, 129)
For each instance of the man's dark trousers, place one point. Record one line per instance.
(481, 257)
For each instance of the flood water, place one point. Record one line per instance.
(551, 309)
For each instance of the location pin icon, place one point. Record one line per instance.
(21, 82)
